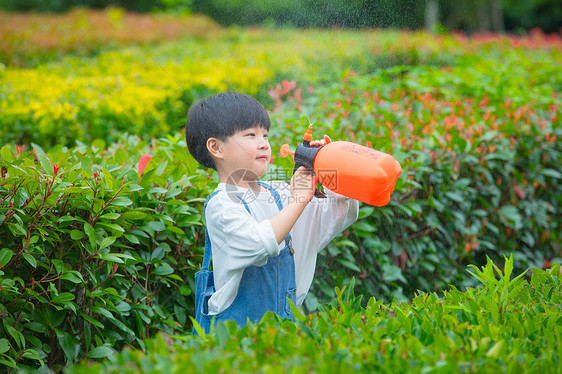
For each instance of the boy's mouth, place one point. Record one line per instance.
(261, 158)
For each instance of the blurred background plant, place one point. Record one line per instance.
(466, 15)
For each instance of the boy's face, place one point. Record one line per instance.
(247, 152)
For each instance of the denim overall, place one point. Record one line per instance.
(261, 288)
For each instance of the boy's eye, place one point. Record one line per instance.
(254, 134)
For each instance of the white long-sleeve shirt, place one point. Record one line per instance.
(240, 240)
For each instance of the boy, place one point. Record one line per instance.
(263, 237)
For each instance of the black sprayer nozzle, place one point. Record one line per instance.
(305, 154)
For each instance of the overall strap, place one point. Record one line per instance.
(288, 239)
(208, 254)
(208, 251)
(245, 205)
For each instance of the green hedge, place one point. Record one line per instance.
(507, 326)
(95, 252)
(480, 151)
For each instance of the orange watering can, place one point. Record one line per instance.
(348, 169)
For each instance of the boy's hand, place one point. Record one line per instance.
(316, 143)
(303, 185)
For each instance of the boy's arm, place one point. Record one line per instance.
(302, 191)
(318, 224)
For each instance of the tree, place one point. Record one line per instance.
(431, 14)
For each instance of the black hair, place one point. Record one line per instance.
(220, 116)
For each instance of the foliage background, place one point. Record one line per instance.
(98, 249)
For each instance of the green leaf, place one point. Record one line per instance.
(92, 320)
(488, 136)
(392, 273)
(511, 216)
(37, 327)
(5, 256)
(16, 335)
(111, 226)
(16, 229)
(59, 266)
(11, 363)
(299, 316)
(122, 326)
(185, 290)
(198, 329)
(132, 238)
(76, 235)
(163, 269)
(347, 243)
(104, 312)
(551, 173)
(493, 307)
(175, 277)
(111, 216)
(32, 354)
(134, 187)
(100, 352)
(114, 257)
(89, 230)
(4, 345)
(106, 242)
(348, 264)
(122, 307)
(175, 230)
(86, 165)
(157, 190)
(6, 154)
(158, 254)
(496, 349)
(508, 268)
(108, 178)
(134, 215)
(72, 276)
(69, 344)
(43, 159)
(122, 201)
(30, 259)
(160, 169)
(156, 225)
(110, 257)
(62, 298)
(455, 196)
(173, 193)
(364, 226)
(175, 202)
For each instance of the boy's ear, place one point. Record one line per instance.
(214, 148)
